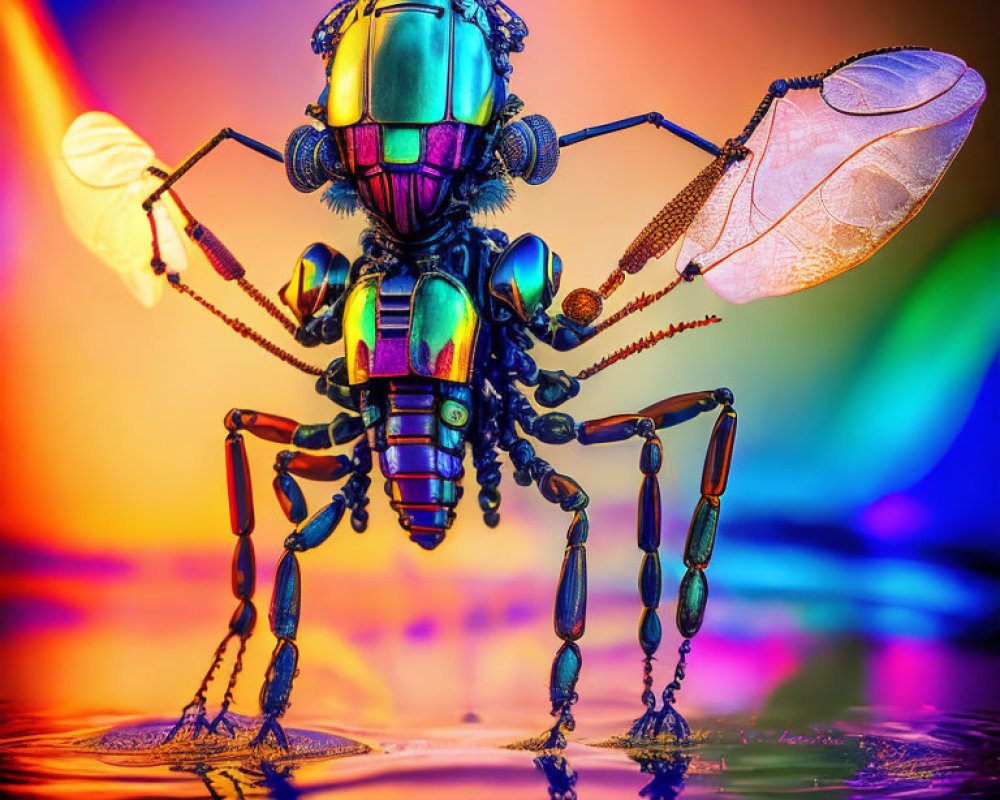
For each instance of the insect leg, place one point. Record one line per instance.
(653, 118)
(204, 150)
(345, 428)
(693, 593)
(272, 428)
(286, 603)
(356, 488)
(552, 388)
(701, 537)
(286, 597)
(244, 579)
(570, 613)
(650, 576)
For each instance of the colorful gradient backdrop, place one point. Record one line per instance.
(858, 551)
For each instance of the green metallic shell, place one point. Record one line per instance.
(410, 54)
(402, 145)
(691, 600)
(412, 64)
(444, 326)
(454, 413)
(701, 534)
(526, 277)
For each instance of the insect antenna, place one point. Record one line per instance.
(644, 344)
(225, 264)
(222, 260)
(662, 233)
(243, 329)
(641, 302)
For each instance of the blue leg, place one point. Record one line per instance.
(241, 512)
(286, 603)
(650, 578)
(570, 613)
(693, 594)
(559, 775)
(293, 503)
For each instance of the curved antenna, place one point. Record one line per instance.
(244, 330)
(662, 232)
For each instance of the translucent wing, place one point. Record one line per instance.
(101, 151)
(102, 190)
(834, 173)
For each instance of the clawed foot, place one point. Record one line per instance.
(222, 719)
(192, 714)
(270, 726)
(555, 739)
(195, 717)
(665, 722)
(644, 728)
(673, 724)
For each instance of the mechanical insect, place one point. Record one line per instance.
(416, 127)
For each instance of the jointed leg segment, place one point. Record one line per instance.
(693, 592)
(570, 613)
(286, 599)
(244, 578)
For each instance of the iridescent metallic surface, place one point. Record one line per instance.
(691, 600)
(444, 329)
(320, 276)
(422, 455)
(360, 328)
(405, 176)
(348, 73)
(411, 64)
(410, 54)
(401, 145)
(472, 77)
(527, 277)
(416, 128)
(411, 88)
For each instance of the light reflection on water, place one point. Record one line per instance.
(940, 756)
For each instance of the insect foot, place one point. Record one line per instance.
(270, 726)
(192, 715)
(223, 719)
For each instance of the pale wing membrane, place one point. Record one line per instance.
(101, 151)
(102, 191)
(824, 186)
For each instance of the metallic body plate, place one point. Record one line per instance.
(443, 329)
(360, 329)
(411, 63)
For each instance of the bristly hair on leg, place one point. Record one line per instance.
(644, 344)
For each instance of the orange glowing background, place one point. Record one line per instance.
(112, 490)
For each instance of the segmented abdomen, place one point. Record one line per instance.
(423, 446)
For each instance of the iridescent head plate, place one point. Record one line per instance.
(416, 63)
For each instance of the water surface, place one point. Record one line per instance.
(935, 756)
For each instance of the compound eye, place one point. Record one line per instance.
(310, 158)
(529, 148)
